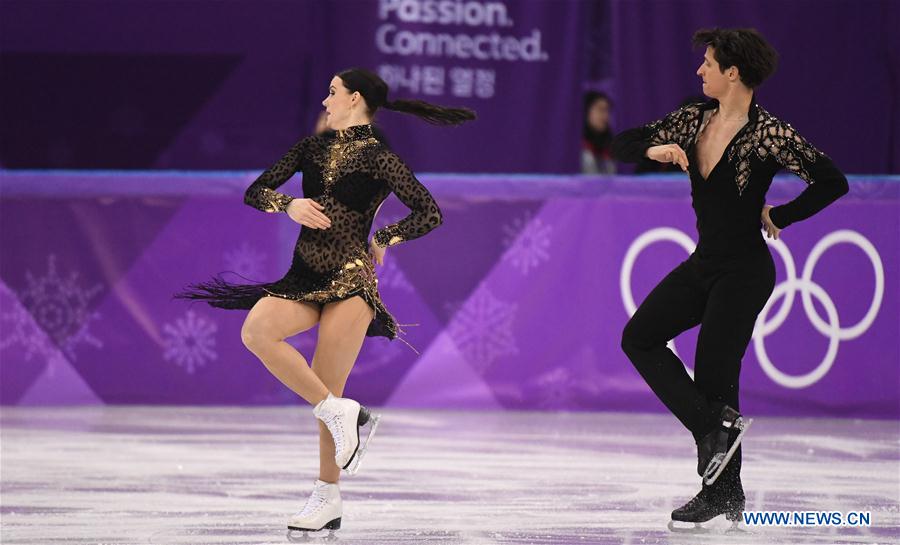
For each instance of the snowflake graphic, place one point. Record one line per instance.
(246, 261)
(527, 242)
(554, 388)
(391, 276)
(19, 328)
(190, 342)
(53, 310)
(482, 329)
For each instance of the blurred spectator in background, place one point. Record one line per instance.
(321, 125)
(649, 166)
(596, 155)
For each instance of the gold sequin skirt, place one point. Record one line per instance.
(303, 283)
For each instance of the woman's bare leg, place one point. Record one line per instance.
(342, 329)
(269, 323)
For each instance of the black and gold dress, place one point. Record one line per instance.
(350, 174)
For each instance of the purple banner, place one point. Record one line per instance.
(516, 62)
(212, 85)
(655, 67)
(520, 298)
(218, 85)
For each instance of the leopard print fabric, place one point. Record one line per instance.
(350, 175)
(728, 202)
(766, 137)
(679, 127)
(774, 138)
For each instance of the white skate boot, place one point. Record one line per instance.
(343, 417)
(322, 511)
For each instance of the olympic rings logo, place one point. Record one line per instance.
(829, 327)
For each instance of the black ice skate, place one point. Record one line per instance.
(716, 449)
(707, 505)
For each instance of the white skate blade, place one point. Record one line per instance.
(679, 527)
(311, 537)
(303, 535)
(698, 528)
(710, 479)
(353, 468)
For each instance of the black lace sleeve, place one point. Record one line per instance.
(425, 214)
(262, 195)
(676, 128)
(825, 182)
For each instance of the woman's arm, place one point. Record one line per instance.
(262, 195)
(424, 212)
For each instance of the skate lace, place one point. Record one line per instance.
(695, 501)
(333, 423)
(314, 503)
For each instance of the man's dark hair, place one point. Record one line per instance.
(744, 48)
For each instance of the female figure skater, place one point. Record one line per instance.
(731, 148)
(331, 282)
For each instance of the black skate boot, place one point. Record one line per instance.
(716, 449)
(723, 499)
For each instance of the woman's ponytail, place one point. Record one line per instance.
(432, 113)
(375, 92)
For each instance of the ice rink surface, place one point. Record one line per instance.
(188, 475)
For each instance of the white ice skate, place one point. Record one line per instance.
(344, 417)
(322, 511)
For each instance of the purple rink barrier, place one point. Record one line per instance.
(520, 297)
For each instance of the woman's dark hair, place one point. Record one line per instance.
(598, 140)
(375, 92)
(744, 48)
(590, 97)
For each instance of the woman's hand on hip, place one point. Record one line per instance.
(377, 252)
(308, 213)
